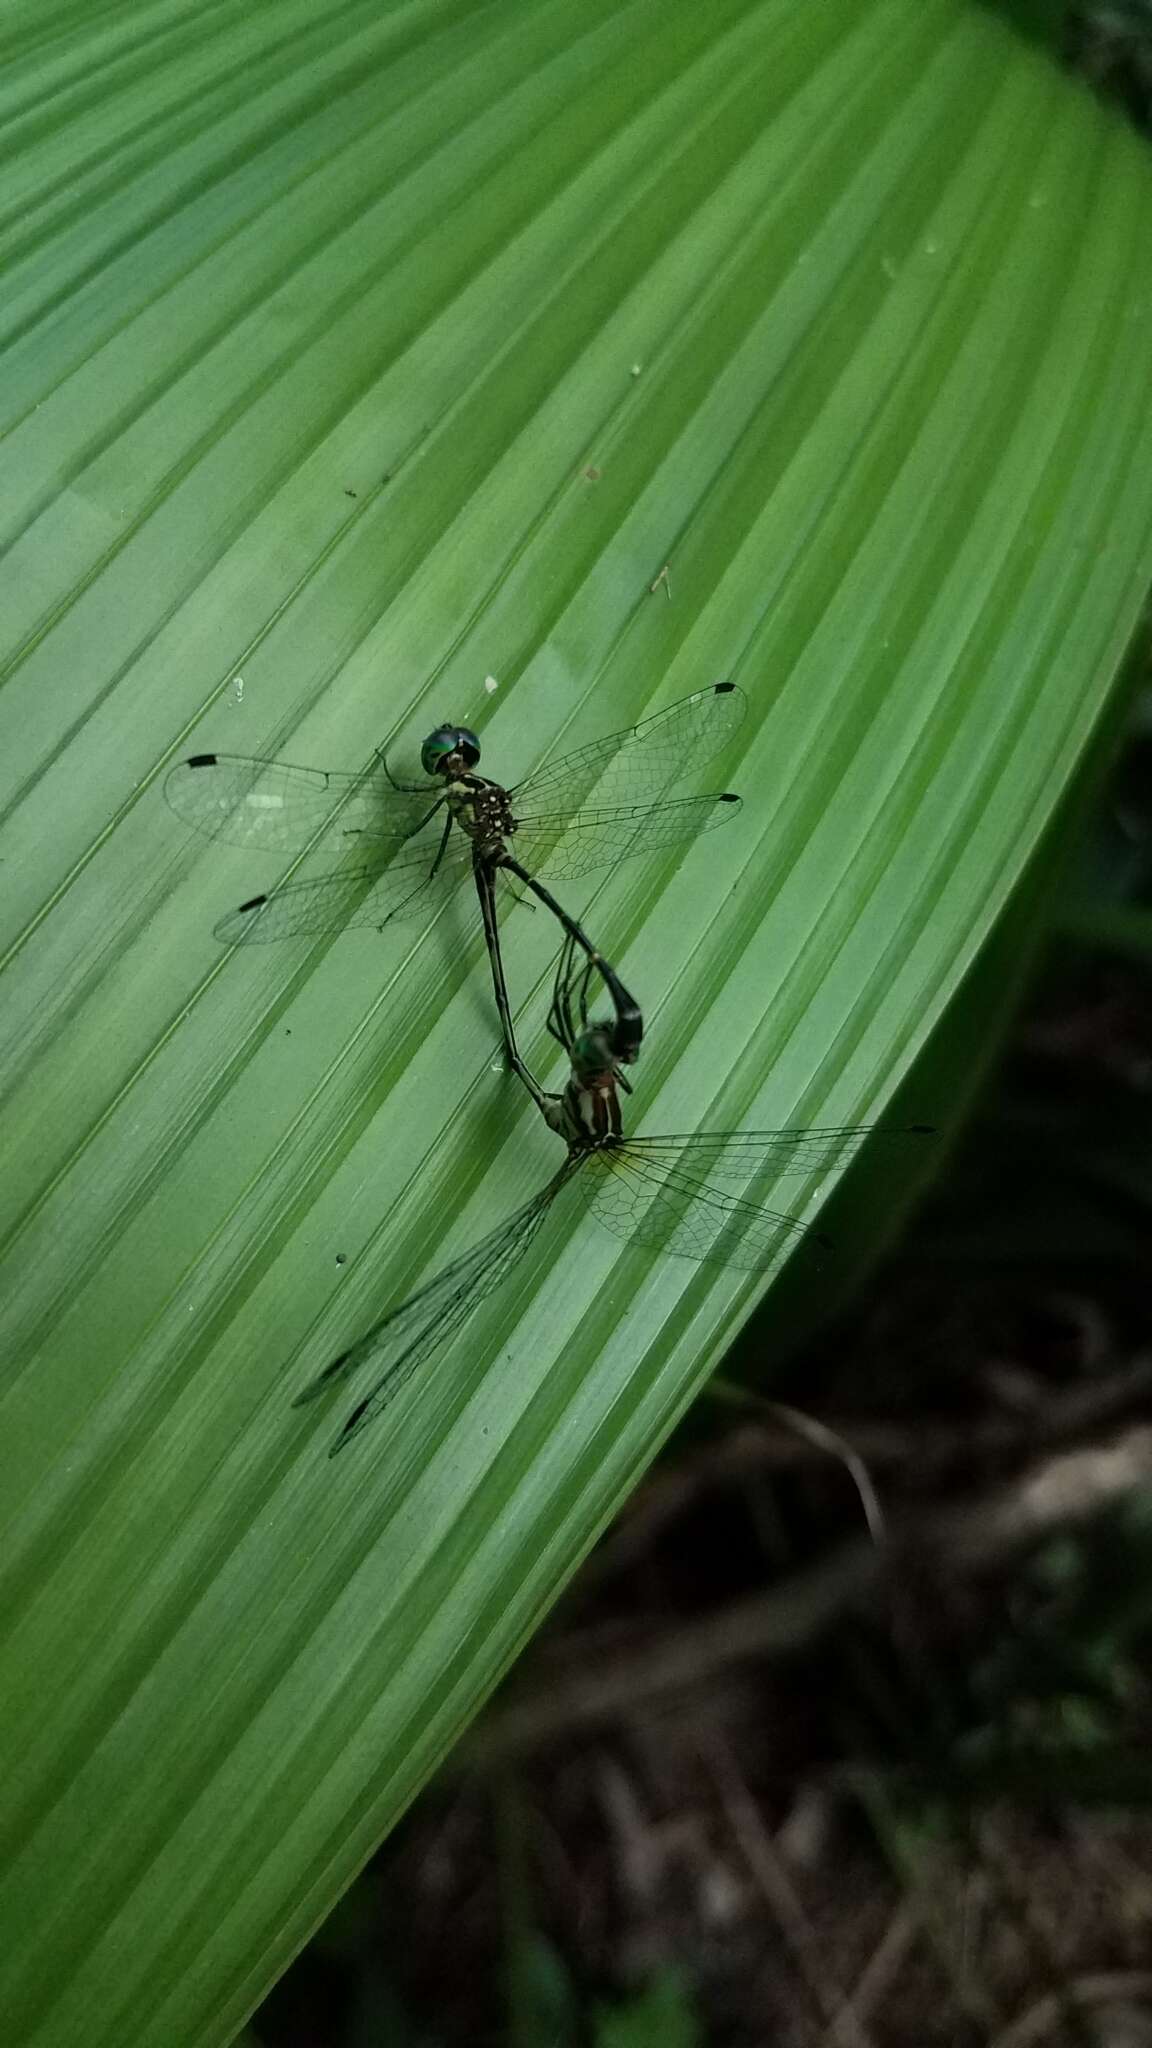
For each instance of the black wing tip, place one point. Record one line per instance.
(728, 796)
(923, 1130)
(253, 903)
(202, 761)
(722, 689)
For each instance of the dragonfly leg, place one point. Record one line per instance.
(487, 895)
(582, 987)
(624, 1036)
(560, 1022)
(444, 838)
(629, 1027)
(406, 788)
(357, 831)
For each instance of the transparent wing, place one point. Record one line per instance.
(353, 896)
(251, 802)
(660, 1192)
(736, 1155)
(637, 764)
(403, 1340)
(662, 1205)
(568, 847)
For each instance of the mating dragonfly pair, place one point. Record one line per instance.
(664, 1192)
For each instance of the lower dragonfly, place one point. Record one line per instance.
(254, 802)
(656, 1192)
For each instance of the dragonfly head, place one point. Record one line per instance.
(594, 1052)
(449, 749)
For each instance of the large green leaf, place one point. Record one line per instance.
(363, 366)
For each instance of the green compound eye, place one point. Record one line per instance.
(449, 739)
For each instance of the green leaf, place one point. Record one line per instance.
(357, 358)
(660, 2016)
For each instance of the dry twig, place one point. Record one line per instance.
(966, 1536)
(833, 2006)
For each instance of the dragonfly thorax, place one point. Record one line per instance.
(587, 1114)
(450, 750)
(482, 809)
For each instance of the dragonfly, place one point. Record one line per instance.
(271, 804)
(672, 1194)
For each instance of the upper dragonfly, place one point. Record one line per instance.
(264, 803)
(674, 1194)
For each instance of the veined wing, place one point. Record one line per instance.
(637, 764)
(736, 1155)
(657, 1203)
(598, 838)
(403, 1340)
(352, 896)
(246, 801)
